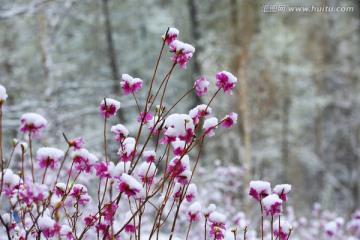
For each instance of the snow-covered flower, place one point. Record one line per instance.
(49, 157)
(77, 143)
(272, 205)
(178, 125)
(210, 125)
(32, 123)
(284, 231)
(127, 150)
(109, 107)
(83, 160)
(129, 84)
(178, 146)
(146, 118)
(3, 95)
(282, 190)
(48, 226)
(191, 192)
(182, 53)
(199, 111)
(259, 189)
(120, 132)
(194, 212)
(147, 172)
(226, 81)
(201, 86)
(229, 120)
(129, 185)
(149, 156)
(218, 227)
(102, 170)
(79, 194)
(210, 209)
(67, 232)
(172, 34)
(109, 211)
(177, 167)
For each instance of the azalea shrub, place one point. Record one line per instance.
(145, 192)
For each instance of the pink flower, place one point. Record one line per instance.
(60, 189)
(32, 123)
(218, 227)
(48, 226)
(129, 185)
(191, 192)
(210, 125)
(194, 212)
(172, 34)
(109, 107)
(284, 231)
(102, 170)
(127, 150)
(120, 132)
(149, 156)
(226, 81)
(199, 112)
(79, 194)
(282, 190)
(201, 86)
(90, 220)
(182, 53)
(130, 85)
(229, 120)
(259, 189)
(83, 160)
(178, 125)
(109, 211)
(142, 119)
(147, 172)
(49, 157)
(272, 205)
(177, 167)
(77, 143)
(178, 147)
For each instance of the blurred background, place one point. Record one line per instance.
(297, 96)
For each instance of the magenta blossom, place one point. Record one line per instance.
(194, 212)
(102, 170)
(77, 143)
(49, 157)
(226, 81)
(171, 36)
(182, 53)
(201, 86)
(120, 132)
(282, 191)
(191, 192)
(32, 123)
(129, 185)
(285, 229)
(130, 85)
(229, 120)
(272, 205)
(149, 156)
(177, 167)
(79, 194)
(259, 189)
(210, 125)
(199, 112)
(109, 107)
(109, 211)
(83, 160)
(145, 119)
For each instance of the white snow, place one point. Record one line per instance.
(110, 101)
(147, 169)
(216, 217)
(129, 79)
(33, 119)
(210, 209)
(119, 128)
(232, 78)
(261, 186)
(3, 95)
(270, 200)
(282, 188)
(195, 208)
(179, 46)
(49, 152)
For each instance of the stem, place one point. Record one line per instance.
(43, 179)
(31, 158)
(168, 111)
(106, 157)
(166, 83)
(137, 103)
(289, 234)
(187, 234)
(1, 150)
(272, 227)
(62, 163)
(262, 218)
(205, 233)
